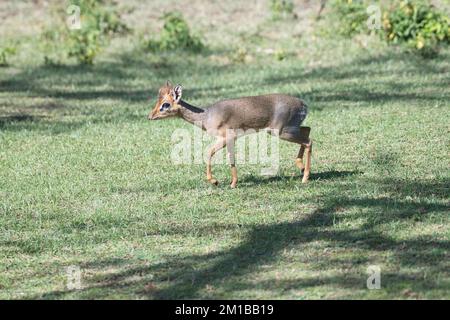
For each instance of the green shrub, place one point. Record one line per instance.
(280, 54)
(281, 8)
(351, 16)
(239, 55)
(175, 35)
(99, 23)
(100, 20)
(417, 24)
(84, 45)
(5, 53)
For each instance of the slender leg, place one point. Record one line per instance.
(230, 151)
(301, 137)
(299, 160)
(216, 147)
(308, 149)
(234, 176)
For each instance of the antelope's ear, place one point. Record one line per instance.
(177, 92)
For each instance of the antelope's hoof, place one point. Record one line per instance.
(300, 164)
(305, 180)
(213, 181)
(233, 185)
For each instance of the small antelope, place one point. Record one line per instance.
(278, 113)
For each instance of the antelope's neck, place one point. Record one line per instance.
(192, 114)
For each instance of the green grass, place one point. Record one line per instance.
(86, 180)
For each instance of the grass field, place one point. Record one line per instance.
(86, 180)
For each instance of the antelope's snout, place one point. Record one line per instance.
(153, 115)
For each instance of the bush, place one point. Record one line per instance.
(281, 8)
(280, 55)
(418, 24)
(175, 35)
(415, 23)
(84, 45)
(351, 16)
(239, 55)
(5, 53)
(98, 23)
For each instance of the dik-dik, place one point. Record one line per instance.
(277, 113)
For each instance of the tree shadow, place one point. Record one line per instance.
(5, 120)
(52, 125)
(209, 275)
(190, 276)
(327, 175)
(85, 83)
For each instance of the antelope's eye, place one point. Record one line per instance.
(165, 106)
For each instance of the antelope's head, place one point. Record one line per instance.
(167, 104)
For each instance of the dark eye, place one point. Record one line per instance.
(165, 106)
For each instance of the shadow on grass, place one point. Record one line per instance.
(327, 175)
(214, 275)
(54, 125)
(87, 84)
(5, 120)
(199, 275)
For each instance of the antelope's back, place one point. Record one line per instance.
(257, 112)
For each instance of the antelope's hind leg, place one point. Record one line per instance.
(299, 160)
(305, 146)
(300, 136)
(303, 141)
(308, 149)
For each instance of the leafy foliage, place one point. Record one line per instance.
(239, 55)
(280, 54)
(84, 45)
(418, 24)
(5, 53)
(351, 16)
(98, 24)
(281, 8)
(175, 34)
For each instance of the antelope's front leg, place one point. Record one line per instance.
(230, 151)
(216, 147)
